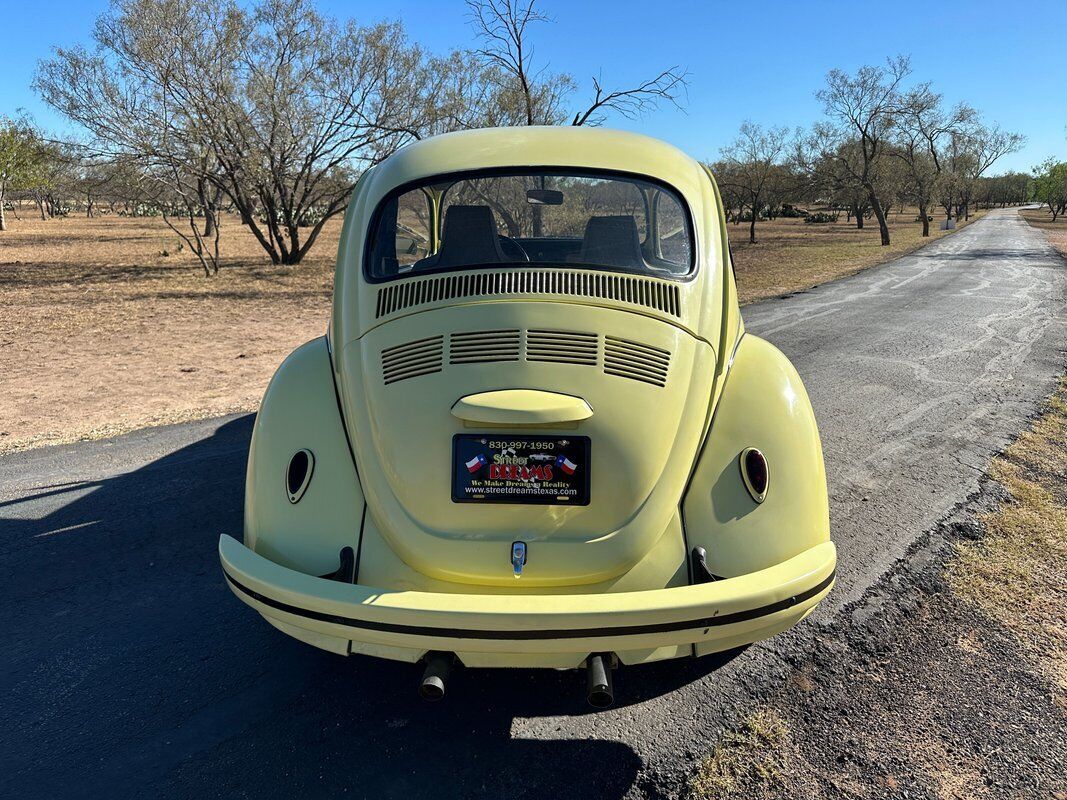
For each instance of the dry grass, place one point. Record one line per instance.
(1018, 573)
(790, 255)
(1042, 219)
(753, 758)
(101, 333)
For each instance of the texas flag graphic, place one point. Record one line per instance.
(476, 463)
(566, 465)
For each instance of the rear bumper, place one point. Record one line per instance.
(531, 630)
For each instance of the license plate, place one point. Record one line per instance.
(541, 470)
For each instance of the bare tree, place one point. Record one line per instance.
(751, 167)
(863, 108)
(987, 145)
(275, 105)
(969, 152)
(502, 25)
(52, 180)
(528, 95)
(637, 102)
(922, 127)
(830, 174)
(952, 187)
(503, 28)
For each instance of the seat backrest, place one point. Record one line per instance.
(469, 237)
(612, 242)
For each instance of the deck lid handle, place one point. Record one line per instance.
(521, 407)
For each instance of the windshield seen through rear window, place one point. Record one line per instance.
(531, 218)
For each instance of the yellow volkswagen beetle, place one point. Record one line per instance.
(536, 433)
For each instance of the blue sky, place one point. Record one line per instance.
(760, 61)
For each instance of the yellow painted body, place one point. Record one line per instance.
(614, 575)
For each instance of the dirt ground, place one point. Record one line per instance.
(790, 255)
(101, 333)
(1056, 231)
(949, 679)
(106, 326)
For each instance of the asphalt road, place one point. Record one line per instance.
(128, 668)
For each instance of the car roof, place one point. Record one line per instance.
(540, 146)
(533, 146)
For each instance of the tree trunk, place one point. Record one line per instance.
(3, 216)
(209, 198)
(248, 220)
(752, 226)
(879, 214)
(926, 220)
(314, 234)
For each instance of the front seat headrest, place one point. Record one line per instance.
(469, 237)
(612, 242)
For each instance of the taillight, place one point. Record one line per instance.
(298, 474)
(754, 473)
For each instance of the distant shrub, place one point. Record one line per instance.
(819, 217)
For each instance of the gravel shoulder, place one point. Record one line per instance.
(948, 679)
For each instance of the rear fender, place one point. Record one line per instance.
(763, 405)
(300, 412)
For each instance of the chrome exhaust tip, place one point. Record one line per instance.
(434, 677)
(599, 691)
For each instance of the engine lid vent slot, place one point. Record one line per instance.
(411, 359)
(561, 347)
(484, 347)
(654, 293)
(636, 361)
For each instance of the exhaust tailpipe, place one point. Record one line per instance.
(599, 691)
(432, 685)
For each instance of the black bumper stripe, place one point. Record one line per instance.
(565, 633)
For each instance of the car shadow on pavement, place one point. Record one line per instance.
(133, 671)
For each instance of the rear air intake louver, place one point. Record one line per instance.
(421, 357)
(622, 357)
(561, 347)
(639, 362)
(648, 292)
(482, 347)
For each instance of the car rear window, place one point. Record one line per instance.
(540, 218)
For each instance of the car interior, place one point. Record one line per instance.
(586, 228)
(469, 237)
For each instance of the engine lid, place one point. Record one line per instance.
(631, 390)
